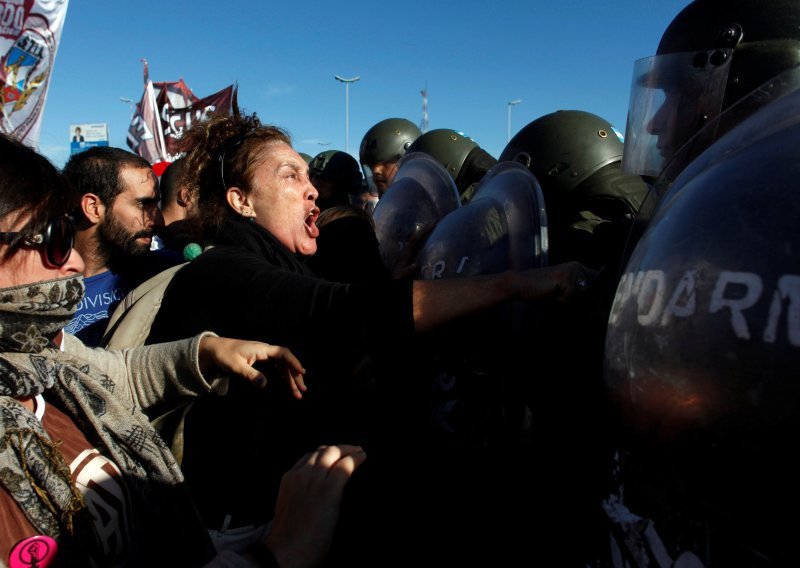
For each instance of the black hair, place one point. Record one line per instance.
(170, 181)
(30, 184)
(97, 170)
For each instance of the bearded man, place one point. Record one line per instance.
(116, 218)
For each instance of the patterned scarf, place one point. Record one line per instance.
(32, 469)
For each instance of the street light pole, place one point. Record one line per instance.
(510, 104)
(346, 107)
(130, 102)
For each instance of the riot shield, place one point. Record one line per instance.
(421, 194)
(504, 227)
(475, 395)
(686, 157)
(703, 348)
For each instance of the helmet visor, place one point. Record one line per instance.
(672, 97)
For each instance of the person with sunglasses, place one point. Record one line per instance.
(84, 478)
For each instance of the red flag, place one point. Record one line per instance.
(175, 94)
(175, 120)
(166, 110)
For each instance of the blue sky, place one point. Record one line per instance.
(473, 56)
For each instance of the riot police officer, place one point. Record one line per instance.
(460, 155)
(702, 345)
(337, 177)
(382, 146)
(576, 156)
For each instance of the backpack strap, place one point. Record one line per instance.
(131, 321)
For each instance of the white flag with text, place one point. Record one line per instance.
(30, 31)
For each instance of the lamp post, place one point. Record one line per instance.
(346, 107)
(130, 102)
(510, 104)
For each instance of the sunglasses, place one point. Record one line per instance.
(228, 148)
(58, 238)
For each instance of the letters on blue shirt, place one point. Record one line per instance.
(103, 293)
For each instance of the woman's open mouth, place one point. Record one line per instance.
(311, 223)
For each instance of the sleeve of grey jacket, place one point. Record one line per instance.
(152, 374)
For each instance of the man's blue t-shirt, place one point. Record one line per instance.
(103, 293)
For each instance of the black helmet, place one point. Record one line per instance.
(338, 167)
(712, 54)
(317, 164)
(336, 176)
(387, 141)
(449, 147)
(575, 156)
(703, 348)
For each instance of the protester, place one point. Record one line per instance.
(259, 214)
(179, 209)
(85, 479)
(116, 218)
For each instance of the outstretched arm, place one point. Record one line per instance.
(439, 301)
(237, 357)
(166, 372)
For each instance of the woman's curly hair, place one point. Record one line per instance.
(221, 152)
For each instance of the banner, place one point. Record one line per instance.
(30, 31)
(145, 136)
(165, 111)
(85, 136)
(175, 120)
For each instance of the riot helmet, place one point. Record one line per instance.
(703, 348)
(336, 175)
(449, 147)
(711, 55)
(460, 155)
(565, 147)
(317, 164)
(575, 156)
(337, 166)
(382, 146)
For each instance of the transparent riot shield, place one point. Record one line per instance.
(686, 158)
(475, 397)
(504, 227)
(421, 194)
